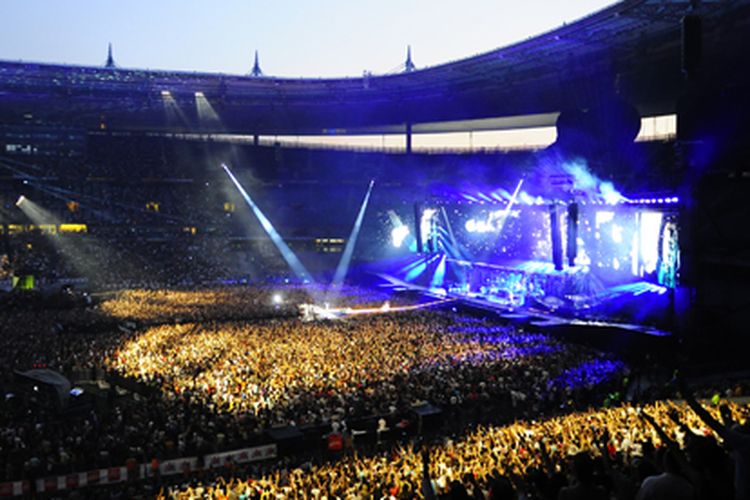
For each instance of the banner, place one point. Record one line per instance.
(114, 475)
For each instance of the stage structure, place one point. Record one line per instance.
(601, 257)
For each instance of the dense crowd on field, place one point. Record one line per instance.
(214, 369)
(68, 331)
(281, 373)
(212, 383)
(236, 302)
(662, 451)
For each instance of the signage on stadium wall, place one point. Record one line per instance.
(115, 475)
(216, 460)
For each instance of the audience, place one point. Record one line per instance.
(602, 452)
(219, 366)
(319, 372)
(211, 381)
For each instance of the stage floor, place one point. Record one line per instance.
(527, 315)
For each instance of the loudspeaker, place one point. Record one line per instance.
(572, 250)
(557, 251)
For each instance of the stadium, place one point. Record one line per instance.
(518, 274)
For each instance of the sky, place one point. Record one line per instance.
(323, 38)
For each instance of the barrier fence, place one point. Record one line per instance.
(113, 475)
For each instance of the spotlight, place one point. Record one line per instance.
(206, 112)
(277, 298)
(21, 199)
(166, 93)
(398, 234)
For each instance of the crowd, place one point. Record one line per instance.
(213, 384)
(661, 451)
(110, 261)
(222, 365)
(302, 373)
(235, 302)
(37, 331)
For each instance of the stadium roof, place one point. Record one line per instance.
(633, 46)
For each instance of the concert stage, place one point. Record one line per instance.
(546, 315)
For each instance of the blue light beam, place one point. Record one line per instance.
(291, 259)
(512, 202)
(438, 277)
(346, 257)
(455, 247)
(420, 268)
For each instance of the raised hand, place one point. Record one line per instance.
(726, 415)
(674, 415)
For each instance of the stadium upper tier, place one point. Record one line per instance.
(633, 45)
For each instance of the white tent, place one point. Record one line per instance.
(50, 379)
